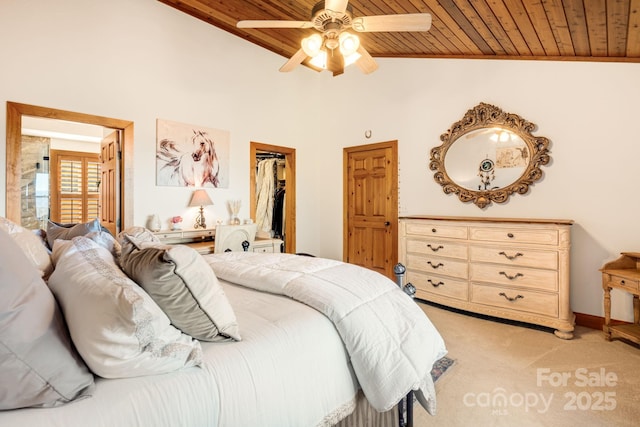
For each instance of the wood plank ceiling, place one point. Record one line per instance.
(583, 30)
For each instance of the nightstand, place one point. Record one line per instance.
(267, 245)
(622, 274)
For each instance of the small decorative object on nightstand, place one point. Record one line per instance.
(234, 207)
(622, 274)
(176, 223)
(200, 198)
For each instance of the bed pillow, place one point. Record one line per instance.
(31, 244)
(69, 231)
(116, 327)
(182, 283)
(38, 364)
(141, 235)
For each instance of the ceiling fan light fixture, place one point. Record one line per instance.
(352, 58)
(349, 43)
(319, 60)
(312, 45)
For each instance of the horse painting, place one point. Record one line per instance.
(197, 167)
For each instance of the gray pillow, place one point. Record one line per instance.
(38, 364)
(69, 231)
(182, 283)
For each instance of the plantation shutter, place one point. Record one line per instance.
(75, 195)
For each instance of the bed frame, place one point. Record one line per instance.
(405, 406)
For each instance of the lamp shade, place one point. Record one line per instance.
(200, 198)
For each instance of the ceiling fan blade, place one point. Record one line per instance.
(296, 59)
(403, 22)
(274, 24)
(366, 63)
(338, 6)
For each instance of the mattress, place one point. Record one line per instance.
(290, 369)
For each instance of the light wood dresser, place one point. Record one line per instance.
(510, 268)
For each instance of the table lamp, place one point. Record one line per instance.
(200, 198)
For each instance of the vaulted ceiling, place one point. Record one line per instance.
(584, 30)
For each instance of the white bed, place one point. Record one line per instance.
(276, 376)
(295, 365)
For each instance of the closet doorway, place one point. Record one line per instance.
(272, 181)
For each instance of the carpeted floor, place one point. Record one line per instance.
(511, 375)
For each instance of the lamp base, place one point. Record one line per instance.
(200, 222)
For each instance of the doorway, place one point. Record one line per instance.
(371, 206)
(283, 161)
(15, 114)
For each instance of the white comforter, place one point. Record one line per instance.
(391, 342)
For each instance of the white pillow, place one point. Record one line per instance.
(38, 364)
(33, 246)
(116, 327)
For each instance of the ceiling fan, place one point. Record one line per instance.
(334, 47)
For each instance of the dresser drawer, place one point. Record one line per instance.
(514, 276)
(439, 248)
(434, 229)
(199, 234)
(515, 299)
(514, 256)
(167, 236)
(440, 266)
(444, 286)
(540, 236)
(624, 282)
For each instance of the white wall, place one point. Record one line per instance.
(141, 60)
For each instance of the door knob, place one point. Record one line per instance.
(387, 223)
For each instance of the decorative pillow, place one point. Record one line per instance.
(116, 327)
(141, 235)
(38, 364)
(33, 246)
(69, 231)
(184, 286)
(106, 240)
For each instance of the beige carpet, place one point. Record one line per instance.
(508, 375)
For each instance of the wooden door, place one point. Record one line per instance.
(75, 177)
(109, 182)
(371, 206)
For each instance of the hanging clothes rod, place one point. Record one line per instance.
(262, 156)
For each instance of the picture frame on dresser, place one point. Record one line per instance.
(510, 268)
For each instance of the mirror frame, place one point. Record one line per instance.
(485, 116)
(15, 111)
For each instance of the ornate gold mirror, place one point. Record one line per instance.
(489, 155)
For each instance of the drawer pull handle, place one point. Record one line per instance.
(622, 282)
(511, 277)
(433, 230)
(510, 235)
(502, 294)
(435, 285)
(438, 265)
(435, 249)
(511, 257)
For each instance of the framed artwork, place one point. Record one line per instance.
(191, 156)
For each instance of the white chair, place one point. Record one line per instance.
(234, 238)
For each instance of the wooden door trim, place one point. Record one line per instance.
(289, 195)
(15, 111)
(393, 145)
